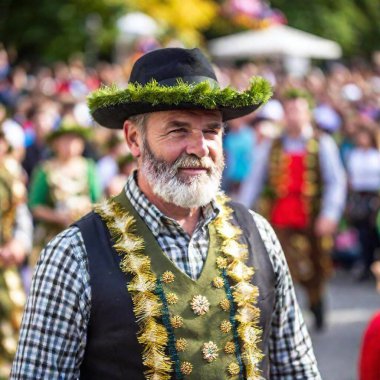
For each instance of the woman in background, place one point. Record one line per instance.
(363, 168)
(64, 187)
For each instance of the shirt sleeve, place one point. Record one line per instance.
(334, 179)
(53, 332)
(291, 354)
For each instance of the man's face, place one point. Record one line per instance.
(182, 157)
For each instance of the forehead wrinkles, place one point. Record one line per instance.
(186, 116)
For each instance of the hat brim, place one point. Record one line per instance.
(114, 116)
(110, 107)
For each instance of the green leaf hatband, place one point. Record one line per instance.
(202, 94)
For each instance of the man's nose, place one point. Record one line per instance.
(197, 145)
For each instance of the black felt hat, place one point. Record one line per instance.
(174, 78)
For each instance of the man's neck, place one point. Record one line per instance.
(187, 218)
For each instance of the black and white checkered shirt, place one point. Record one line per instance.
(53, 333)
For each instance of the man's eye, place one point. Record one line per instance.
(212, 131)
(178, 130)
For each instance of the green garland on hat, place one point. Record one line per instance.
(202, 94)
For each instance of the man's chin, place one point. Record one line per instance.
(191, 203)
(194, 179)
(187, 195)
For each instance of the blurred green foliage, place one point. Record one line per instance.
(47, 30)
(355, 24)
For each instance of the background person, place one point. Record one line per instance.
(363, 171)
(305, 195)
(63, 187)
(15, 244)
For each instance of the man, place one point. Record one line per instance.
(157, 283)
(306, 189)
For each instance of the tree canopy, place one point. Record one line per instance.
(354, 24)
(48, 30)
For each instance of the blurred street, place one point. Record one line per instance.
(351, 305)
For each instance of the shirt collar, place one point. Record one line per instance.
(155, 218)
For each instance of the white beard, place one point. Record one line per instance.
(190, 192)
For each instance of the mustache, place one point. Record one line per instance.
(192, 161)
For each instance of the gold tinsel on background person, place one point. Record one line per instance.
(12, 252)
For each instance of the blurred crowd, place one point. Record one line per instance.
(55, 163)
(344, 102)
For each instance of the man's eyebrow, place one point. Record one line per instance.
(184, 124)
(215, 125)
(178, 123)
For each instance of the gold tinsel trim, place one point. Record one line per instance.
(248, 313)
(238, 271)
(235, 250)
(221, 262)
(245, 294)
(147, 305)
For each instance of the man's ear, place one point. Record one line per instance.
(133, 138)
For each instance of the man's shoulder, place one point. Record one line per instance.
(64, 254)
(69, 239)
(86, 217)
(264, 228)
(67, 234)
(257, 218)
(263, 225)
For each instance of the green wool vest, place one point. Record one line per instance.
(195, 329)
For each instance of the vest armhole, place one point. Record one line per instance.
(247, 223)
